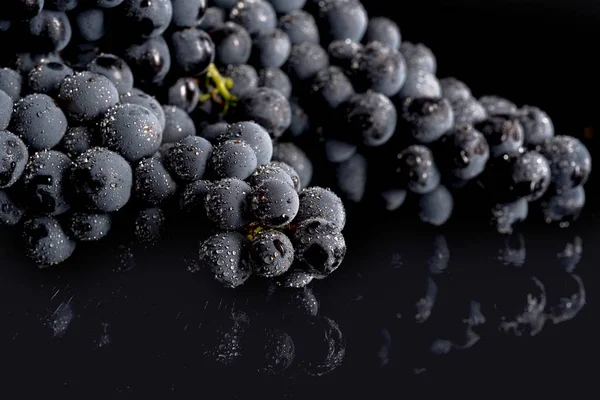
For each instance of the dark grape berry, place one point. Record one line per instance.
(184, 93)
(275, 78)
(13, 158)
(420, 83)
(149, 60)
(392, 199)
(319, 245)
(468, 112)
(227, 203)
(253, 134)
(454, 90)
(163, 150)
(178, 124)
(191, 199)
(570, 162)
(86, 227)
(271, 49)
(296, 158)
(145, 18)
(464, 151)
(318, 202)
(153, 185)
(367, 118)
(268, 172)
(503, 133)
(25, 62)
(46, 182)
(417, 170)
(426, 119)
(271, 254)
(48, 31)
(6, 109)
(495, 105)
(223, 255)
(38, 121)
(530, 176)
(213, 17)
(233, 44)
(342, 19)
(187, 159)
(300, 120)
(330, 88)
(351, 178)
(300, 27)
(537, 126)
(296, 181)
(419, 56)
(274, 203)
(45, 241)
(257, 16)
(11, 212)
(85, 96)
(268, 108)
(232, 159)
(214, 132)
(342, 52)
(337, 151)
(306, 59)
(46, 78)
(115, 69)
(378, 67)
(131, 130)
(188, 13)
(192, 51)
(77, 140)
(436, 207)
(295, 278)
(11, 83)
(244, 77)
(285, 6)
(383, 30)
(138, 97)
(102, 180)
(148, 225)
(88, 24)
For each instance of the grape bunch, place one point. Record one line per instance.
(224, 109)
(88, 136)
(370, 105)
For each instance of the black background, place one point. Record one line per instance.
(138, 324)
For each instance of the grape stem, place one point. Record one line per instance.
(219, 88)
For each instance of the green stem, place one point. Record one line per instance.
(221, 83)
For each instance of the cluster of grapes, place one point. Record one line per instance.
(212, 104)
(79, 143)
(370, 103)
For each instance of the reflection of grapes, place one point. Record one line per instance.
(226, 348)
(276, 337)
(566, 297)
(321, 346)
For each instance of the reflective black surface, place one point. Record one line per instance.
(452, 311)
